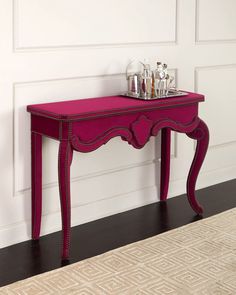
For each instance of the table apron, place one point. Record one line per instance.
(90, 130)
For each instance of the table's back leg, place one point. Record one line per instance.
(165, 162)
(201, 134)
(64, 162)
(36, 183)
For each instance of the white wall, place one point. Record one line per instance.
(69, 49)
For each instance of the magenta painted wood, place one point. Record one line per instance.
(64, 162)
(165, 162)
(109, 105)
(36, 176)
(84, 125)
(201, 134)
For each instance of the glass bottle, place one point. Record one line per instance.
(146, 81)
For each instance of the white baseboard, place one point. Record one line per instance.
(20, 232)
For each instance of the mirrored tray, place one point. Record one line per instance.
(171, 93)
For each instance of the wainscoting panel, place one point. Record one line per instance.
(215, 20)
(114, 155)
(56, 90)
(89, 23)
(218, 84)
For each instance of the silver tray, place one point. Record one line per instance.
(171, 93)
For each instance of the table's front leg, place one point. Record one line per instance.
(165, 162)
(201, 134)
(36, 184)
(64, 162)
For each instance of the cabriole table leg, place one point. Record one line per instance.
(64, 162)
(165, 162)
(201, 134)
(36, 183)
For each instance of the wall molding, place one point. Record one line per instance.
(213, 67)
(92, 175)
(118, 76)
(36, 82)
(198, 41)
(222, 145)
(196, 77)
(17, 48)
(46, 81)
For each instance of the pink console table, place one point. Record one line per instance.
(86, 124)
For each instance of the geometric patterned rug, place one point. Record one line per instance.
(199, 258)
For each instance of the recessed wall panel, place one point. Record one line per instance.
(115, 155)
(218, 86)
(216, 20)
(85, 23)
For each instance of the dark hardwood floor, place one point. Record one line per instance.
(29, 258)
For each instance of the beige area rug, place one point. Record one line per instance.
(199, 258)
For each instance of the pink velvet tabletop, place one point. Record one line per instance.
(95, 107)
